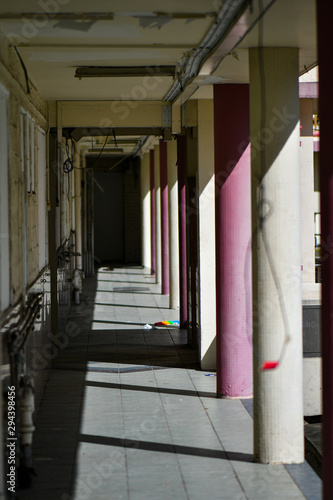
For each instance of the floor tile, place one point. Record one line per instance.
(127, 414)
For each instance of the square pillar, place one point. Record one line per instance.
(152, 210)
(233, 241)
(276, 256)
(307, 188)
(325, 53)
(164, 218)
(146, 212)
(158, 268)
(206, 238)
(173, 225)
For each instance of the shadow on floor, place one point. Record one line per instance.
(58, 422)
(167, 448)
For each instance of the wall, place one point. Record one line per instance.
(27, 112)
(12, 78)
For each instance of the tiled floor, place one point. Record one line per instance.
(128, 415)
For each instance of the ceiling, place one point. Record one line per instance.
(286, 23)
(128, 36)
(112, 144)
(204, 41)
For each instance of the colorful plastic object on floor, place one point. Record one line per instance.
(167, 323)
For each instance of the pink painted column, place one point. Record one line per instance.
(325, 54)
(183, 312)
(164, 216)
(233, 240)
(153, 213)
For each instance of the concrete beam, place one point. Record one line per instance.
(105, 114)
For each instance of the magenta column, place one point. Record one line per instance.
(325, 54)
(153, 213)
(164, 216)
(233, 240)
(183, 319)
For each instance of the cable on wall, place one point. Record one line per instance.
(24, 69)
(68, 165)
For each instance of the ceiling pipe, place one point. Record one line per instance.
(234, 21)
(190, 67)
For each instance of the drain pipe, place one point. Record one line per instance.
(27, 407)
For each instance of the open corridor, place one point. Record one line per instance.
(127, 414)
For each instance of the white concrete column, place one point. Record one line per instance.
(173, 226)
(145, 207)
(206, 193)
(307, 189)
(78, 211)
(277, 287)
(158, 235)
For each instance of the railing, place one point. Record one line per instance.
(17, 328)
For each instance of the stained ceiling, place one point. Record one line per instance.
(201, 42)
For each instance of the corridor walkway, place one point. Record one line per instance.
(128, 415)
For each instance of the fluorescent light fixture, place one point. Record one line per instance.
(106, 150)
(114, 71)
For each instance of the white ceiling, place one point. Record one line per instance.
(116, 6)
(138, 33)
(287, 23)
(134, 37)
(146, 33)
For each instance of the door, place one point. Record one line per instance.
(109, 217)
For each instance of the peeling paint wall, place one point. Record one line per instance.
(13, 79)
(26, 112)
